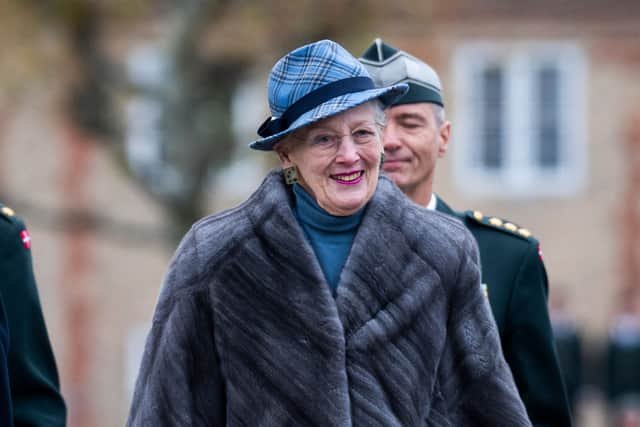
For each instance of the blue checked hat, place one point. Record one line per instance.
(388, 66)
(314, 82)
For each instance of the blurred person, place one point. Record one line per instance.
(623, 351)
(626, 413)
(514, 278)
(568, 340)
(33, 375)
(327, 298)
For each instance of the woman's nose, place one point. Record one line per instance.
(347, 150)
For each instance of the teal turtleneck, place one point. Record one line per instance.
(330, 236)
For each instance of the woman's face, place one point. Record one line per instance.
(337, 159)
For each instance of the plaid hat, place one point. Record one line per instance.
(314, 82)
(389, 66)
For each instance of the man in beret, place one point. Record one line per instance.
(33, 376)
(514, 278)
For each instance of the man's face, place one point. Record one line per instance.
(413, 141)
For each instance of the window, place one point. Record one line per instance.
(490, 123)
(519, 124)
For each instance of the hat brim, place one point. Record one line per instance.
(332, 107)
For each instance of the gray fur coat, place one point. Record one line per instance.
(247, 333)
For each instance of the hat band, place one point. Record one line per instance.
(311, 100)
(420, 93)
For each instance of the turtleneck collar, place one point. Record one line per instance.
(330, 236)
(311, 214)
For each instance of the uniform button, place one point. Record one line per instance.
(478, 215)
(8, 211)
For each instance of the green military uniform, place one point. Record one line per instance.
(515, 282)
(33, 376)
(512, 271)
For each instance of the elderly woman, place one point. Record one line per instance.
(327, 298)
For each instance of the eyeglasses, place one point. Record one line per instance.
(326, 141)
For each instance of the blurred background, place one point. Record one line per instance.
(124, 121)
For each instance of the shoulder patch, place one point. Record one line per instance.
(26, 238)
(499, 224)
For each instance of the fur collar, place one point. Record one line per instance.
(246, 303)
(372, 275)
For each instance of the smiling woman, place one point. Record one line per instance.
(327, 298)
(337, 159)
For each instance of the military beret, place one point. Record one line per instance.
(388, 66)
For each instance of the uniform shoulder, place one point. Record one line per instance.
(8, 218)
(500, 225)
(13, 232)
(6, 213)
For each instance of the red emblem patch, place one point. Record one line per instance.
(26, 239)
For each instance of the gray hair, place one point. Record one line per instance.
(439, 114)
(378, 113)
(378, 117)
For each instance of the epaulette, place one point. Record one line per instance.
(499, 224)
(7, 213)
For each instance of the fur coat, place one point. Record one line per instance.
(247, 333)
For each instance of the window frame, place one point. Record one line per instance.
(520, 175)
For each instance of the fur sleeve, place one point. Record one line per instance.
(474, 378)
(180, 382)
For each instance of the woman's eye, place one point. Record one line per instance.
(324, 139)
